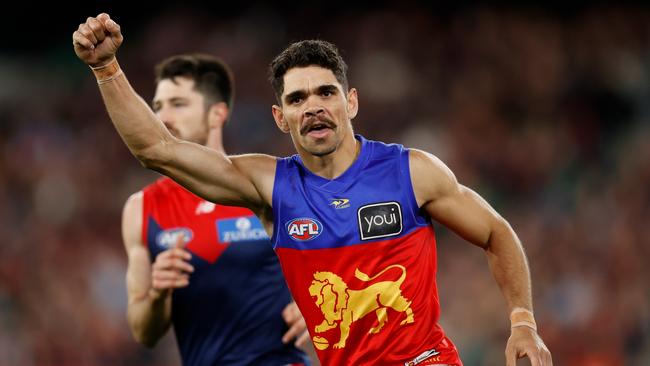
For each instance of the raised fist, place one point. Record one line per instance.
(97, 40)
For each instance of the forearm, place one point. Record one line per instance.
(149, 318)
(509, 267)
(142, 132)
(207, 173)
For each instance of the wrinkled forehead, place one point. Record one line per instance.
(308, 79)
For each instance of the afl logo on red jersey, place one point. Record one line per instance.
(304, 229)
(168, 238)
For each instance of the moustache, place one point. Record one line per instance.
(314, 122)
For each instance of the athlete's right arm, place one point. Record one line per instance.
(148, 317)
(205, 172)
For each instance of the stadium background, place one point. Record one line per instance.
(543, 110)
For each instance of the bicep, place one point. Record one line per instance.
(138, 275)
(213, 175)
(444, 199)
(466, 213)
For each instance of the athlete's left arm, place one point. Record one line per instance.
(470, 216)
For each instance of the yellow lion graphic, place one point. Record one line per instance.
(344, 306)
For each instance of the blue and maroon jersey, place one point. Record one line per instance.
(360, 259)
(231, 312)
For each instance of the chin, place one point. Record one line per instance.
(322, 150)
(319, 147)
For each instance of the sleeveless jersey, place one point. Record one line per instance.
(360, 259)
(230, 314)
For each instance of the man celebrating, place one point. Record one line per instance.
(348, 217)
(215, 276)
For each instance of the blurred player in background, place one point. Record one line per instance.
(214, 276)
(350, 218)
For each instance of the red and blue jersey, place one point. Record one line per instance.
(360, 259)
(230, 314)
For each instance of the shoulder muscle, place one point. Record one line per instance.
(430, 177)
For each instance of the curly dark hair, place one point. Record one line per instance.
(212, 77)
(307, 53)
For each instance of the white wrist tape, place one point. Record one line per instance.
(520, 317)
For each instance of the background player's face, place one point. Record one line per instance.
(182, 109)
(315, 110)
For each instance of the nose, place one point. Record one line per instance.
(313, 109)
(169, 125)
(165, 116)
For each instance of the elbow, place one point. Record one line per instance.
(147, 161)
(143, 332)
(500, 231)
(143, 338)
(147, 342)
(152, 157)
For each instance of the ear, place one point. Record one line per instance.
(278, 116)
(353, 103)
(218, 115)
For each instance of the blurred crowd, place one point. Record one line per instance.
(545, 114)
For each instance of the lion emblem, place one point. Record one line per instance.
(341, 306)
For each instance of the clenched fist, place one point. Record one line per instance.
(97, 40)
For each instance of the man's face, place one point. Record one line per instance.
(181, 108)
(315, 110)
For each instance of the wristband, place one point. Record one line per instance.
(108, 72)
(520, 317)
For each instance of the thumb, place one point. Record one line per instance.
(112, 27)
(180, 241)
(103, 17)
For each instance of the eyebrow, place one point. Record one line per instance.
(302, 93)
(328, 88)
(171, 100)
(293, 95)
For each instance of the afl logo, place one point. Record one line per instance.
(168, 238)
(304, 229)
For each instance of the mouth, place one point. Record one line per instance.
(317, 128)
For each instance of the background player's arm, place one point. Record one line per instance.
(149, 286)
(149, 317)
(470, 216)
(207, 173)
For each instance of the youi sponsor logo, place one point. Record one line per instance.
(379, 220)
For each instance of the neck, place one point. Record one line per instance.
(336, 163)
(215, 139)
